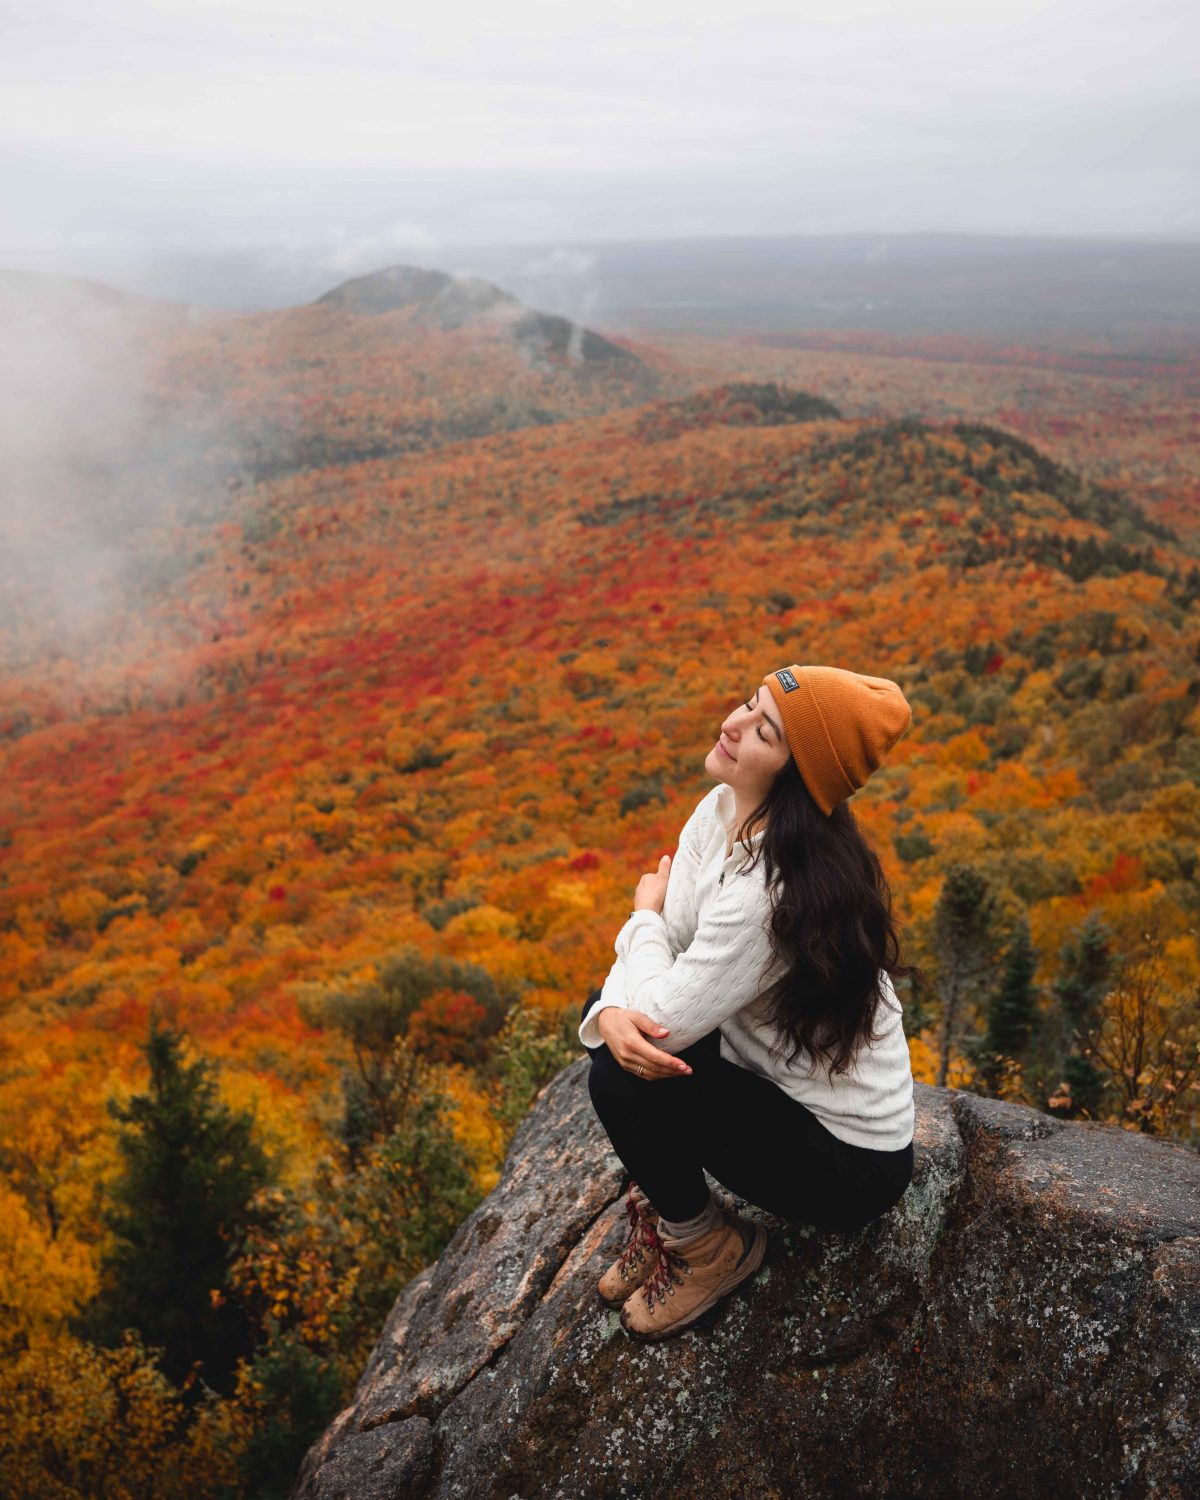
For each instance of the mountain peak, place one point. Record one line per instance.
(437, 297)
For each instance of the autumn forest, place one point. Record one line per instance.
(405, 622)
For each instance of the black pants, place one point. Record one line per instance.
(755, 1139)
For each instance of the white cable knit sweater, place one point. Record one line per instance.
(701, 965)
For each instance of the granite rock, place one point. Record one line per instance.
(1024, 1322)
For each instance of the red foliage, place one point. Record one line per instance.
(446, 1027)
(1124, 874)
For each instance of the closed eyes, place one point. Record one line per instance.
(758, 728)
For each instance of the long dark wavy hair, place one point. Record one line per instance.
(832, 926)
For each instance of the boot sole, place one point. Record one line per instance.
(753, 1260)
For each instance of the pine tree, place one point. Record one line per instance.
(176, 1214)
(1079, 995)
(1012, 1008)
(965, 944)
(1083, 981)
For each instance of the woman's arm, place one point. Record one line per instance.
(678, 915)
(721, 970)
(612, 992)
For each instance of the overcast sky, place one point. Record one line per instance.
(367, 131)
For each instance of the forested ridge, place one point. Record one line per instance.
(310, 855)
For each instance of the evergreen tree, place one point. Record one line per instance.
(1083, 981)
(191, 1168)
(1085, 1083)
(965, 944)
(1079, 995)
(1011, 1008)
(360, 1119)
(299, 1392)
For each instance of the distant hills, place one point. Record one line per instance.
(124, 417)
(439, 300)
(1037, 287)
(26, 292)
(434, 300)
(380, 364)
(447, 301)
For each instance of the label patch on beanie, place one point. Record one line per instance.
(786, 681)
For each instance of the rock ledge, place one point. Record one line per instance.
(1025, 1322)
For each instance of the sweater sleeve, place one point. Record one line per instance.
(612, 992)
(721, 970)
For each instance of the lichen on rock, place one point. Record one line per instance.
(1023, 1322)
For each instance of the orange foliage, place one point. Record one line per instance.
(454, 688)
(445, 1027)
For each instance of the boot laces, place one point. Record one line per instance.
(643, 1236)
(666, 1276)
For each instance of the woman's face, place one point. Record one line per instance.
(751, 749)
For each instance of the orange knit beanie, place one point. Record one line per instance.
(839, 725)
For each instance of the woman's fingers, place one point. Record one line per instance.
(662, 1063)
(644, 1069)
(637, 1052)
(647, 1023)
(633, 1051)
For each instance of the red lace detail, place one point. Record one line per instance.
(665, 1277)
(643, 1235)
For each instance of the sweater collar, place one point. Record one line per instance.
(727, 812)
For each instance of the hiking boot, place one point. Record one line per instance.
(693, 1275)
(640, 1255)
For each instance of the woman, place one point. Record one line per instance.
(763, 975)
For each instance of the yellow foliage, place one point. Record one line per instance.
(43, 1281)
(279, 1120)
(293, 1277)
(923, 1059)
(966, 749)
(80, 907)
(81, 1422)
(1182, 960)
(19, 960)
(546, 999)
(483, 921)
(959, 835)
(1178, 807)
(475, 1126)
(574, 895)
(596, 663)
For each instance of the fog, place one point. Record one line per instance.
(603, 161)
(341, 139)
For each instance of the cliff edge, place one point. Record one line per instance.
(1025, 1322)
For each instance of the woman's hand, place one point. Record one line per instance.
(652, 889)
(623, 1030)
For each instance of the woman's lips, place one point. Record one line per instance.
(725, 752)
